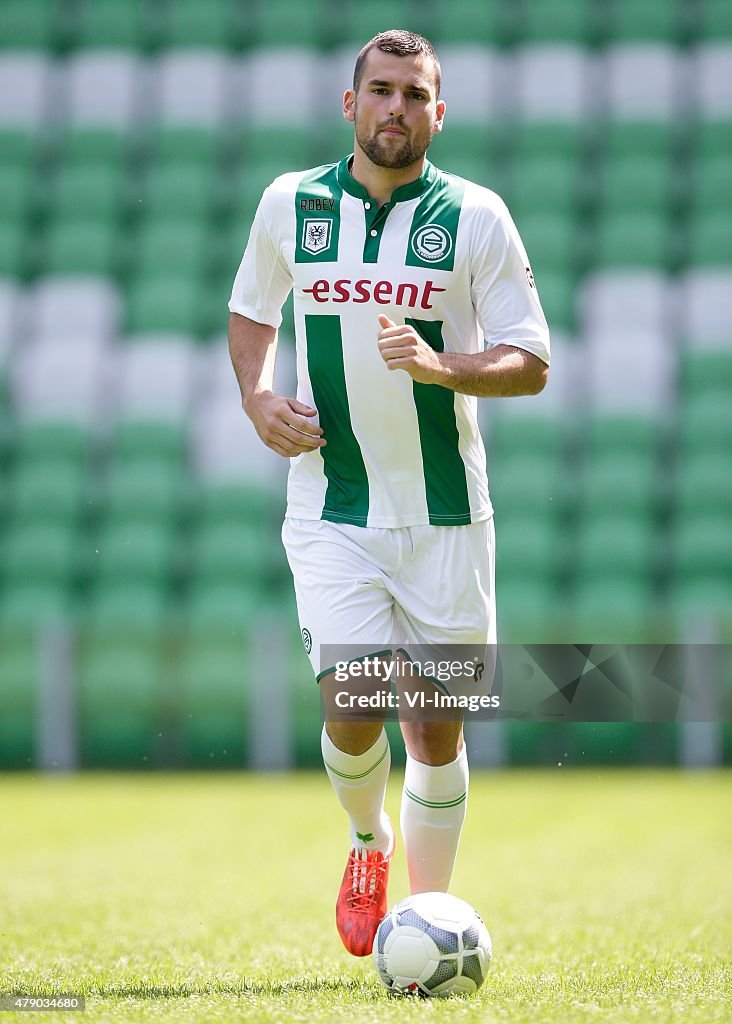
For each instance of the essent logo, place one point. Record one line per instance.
(383, 292)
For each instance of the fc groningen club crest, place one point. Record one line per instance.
(431, 243)
(316, 235)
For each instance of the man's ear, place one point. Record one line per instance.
(439, 115)
(349, 104)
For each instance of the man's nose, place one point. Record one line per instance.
(397, 108)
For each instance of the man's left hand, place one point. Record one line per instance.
(402, 348)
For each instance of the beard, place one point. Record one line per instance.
(384, 154)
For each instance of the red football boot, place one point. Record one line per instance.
(362, 899)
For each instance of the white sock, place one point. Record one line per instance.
(434, 800)
(360, 784)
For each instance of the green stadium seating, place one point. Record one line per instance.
(526, 545)
(186, 146)
(702, 544)
(231, 551)
(81, 247)
(705, 483)
(138, 607)
(641, 238)
(39, 552)
(642, 21)
(148, 488)
(107, 24)
(611, 609)
(711, 184)
(711, 237)
(609, 546)
(223, 607)
(618, 435)
(544, 184)
(138, 439)
(532, 140)
(164, 302)
(550, 242)
(636, 183)
(526, 482)
(625, 481)
(526, 606)
(284, 23)
(462, 21)
(177, 244)
(238, 504)
(640, 138)
(19, 663)
(89, 191)
(30, 605)
(701, 598)
(98, 147)
(52, 440)
(15, 193)
(136, 551)
(190, 23)
(212, 697)
(360, 22)
(12, 249)
(29, 24)
(713, 139)
(557, 291)
(556, 21)
(706, 421)
(17, 148)
(513, 435)
(265, 144)
(121, 702)
(48, 489)
(706, 371)
(715, 23)
(179, 190)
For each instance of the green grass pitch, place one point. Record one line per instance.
(205, 898)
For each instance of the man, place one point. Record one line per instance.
(413, 295)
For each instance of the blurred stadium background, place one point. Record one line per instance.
(146, 610)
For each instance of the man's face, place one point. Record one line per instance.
(396, 111)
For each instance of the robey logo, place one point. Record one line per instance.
(384, 292)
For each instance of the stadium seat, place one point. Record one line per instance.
(622, 433)
(102, 148)
(150, 488)
(641, 239)
(107, 24)
(643, 80)
(63, 306)
(706, 422)
(712, 68)
(557, 293)
(81, 247)
(263, 100)
(212, 701)
(651, 20)
(19, 663)
(550, 242)
(188, 24)
(141, 608)
(33, 605)
(544, 184)
(552, 82)
(706, 302)
(610, 388)
(611, 299)
(25, 86)
(163, 303)
(702, 544)
(282, 22)
(710, 240)
(60, 378)
(472, 77)
(523, 481)
(10, 311)
(178, 243)
(704, 482)
(216, 608)
(556, 21)
(13, 255)
(492, 23)
(104, 89)
(609, 545)
(184, 191)
(636, 184)
(528, 544)
(705, 368)
(192, 85)
(613, 609)
(15, 193)
(136, 439)
(48, 490)
(185, 146)
(227, 447)
(65, 440)
(39, 552)
(642, 135)
(95, 191)
(156, 376)
(627, 482)
(136, 551)
(234, 503)
(710, 180)
(230, 552)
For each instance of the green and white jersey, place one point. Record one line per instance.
(442, 255)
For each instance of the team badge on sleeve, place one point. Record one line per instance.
(316, 235)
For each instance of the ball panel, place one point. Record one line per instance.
(446, 969)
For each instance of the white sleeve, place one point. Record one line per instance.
(263, 280)
(502, 286)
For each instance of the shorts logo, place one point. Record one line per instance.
(307, 640)
(316, 235)
(431, 243)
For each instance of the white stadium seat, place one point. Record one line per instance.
(10, 309)
(59, 378)
(472, 79)
(712, 66)
(707, 304)
(192, 87)
(271, 78)
(629, 372)
(636, 300)
(157, 376)
(552, 82)
(226, 446)
(105, 88)
(643, 81)
(61, 306)
(25, 89)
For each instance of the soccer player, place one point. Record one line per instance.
(413, 296)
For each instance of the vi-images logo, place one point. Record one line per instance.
(316, 235)
(431, 243)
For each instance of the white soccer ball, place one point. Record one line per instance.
(433, 944)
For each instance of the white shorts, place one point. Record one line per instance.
(379, 588)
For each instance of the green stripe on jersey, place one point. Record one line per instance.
(317, 208)
(347, 493)
(433, 234)
(446, 484)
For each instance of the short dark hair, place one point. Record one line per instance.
(402, 44)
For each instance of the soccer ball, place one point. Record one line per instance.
(432, 944)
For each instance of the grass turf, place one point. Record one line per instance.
(210, 898)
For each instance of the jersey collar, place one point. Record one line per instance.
(409, 191)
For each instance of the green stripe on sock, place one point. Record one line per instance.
(362, 775)
(435, 803)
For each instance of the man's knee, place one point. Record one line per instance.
(353, 737)
(433, 743)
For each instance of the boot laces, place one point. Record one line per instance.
(367, 876)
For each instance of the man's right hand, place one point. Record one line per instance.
(284, 424)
